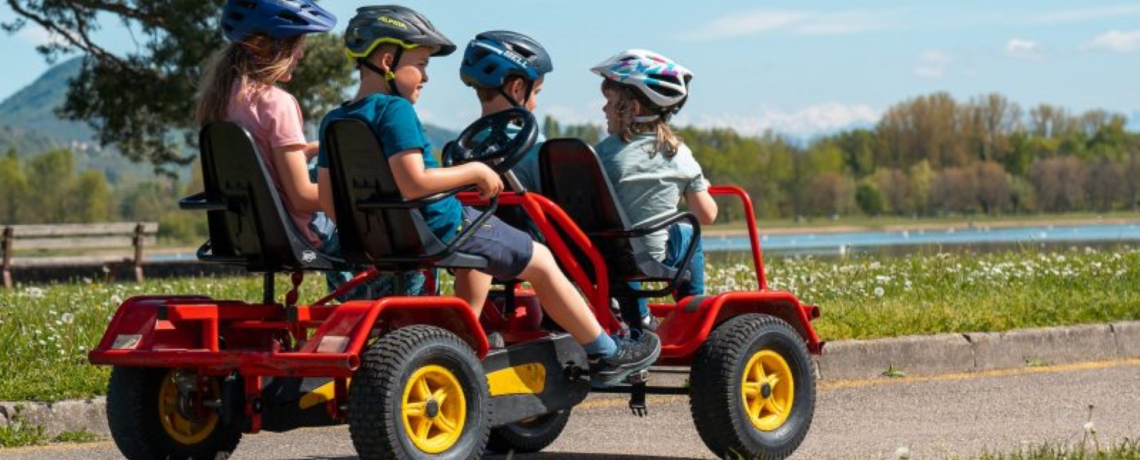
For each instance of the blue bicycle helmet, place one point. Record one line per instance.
(493, 56)
(277, 19)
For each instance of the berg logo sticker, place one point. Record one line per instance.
(308, 256)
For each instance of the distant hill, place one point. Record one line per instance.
(29, 124)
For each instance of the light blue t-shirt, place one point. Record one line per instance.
(526, 171)
(396, 125)
(649, 185)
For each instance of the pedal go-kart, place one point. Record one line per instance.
(414, 377)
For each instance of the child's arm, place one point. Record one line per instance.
(702, 205)
(415, 181)
(292, 167)
(312, 150)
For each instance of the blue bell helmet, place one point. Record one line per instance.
(494, 56)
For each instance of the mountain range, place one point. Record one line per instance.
(29, 124)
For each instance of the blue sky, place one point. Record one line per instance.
(797, 67)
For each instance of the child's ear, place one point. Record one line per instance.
(386, 61)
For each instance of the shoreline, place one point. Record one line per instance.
(808, 229)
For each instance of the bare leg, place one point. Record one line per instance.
(559, 298)
(472, 286)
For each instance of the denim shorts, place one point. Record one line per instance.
(508, 250)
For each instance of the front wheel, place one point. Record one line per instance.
(752, 394)
(420, 393)
(158, 413)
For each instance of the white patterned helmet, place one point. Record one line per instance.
(658, 78)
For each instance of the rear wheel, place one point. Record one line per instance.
(419, 394)
(162, 414)
(752, 394)
(529, 436)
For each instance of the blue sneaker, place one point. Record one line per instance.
(632, 355)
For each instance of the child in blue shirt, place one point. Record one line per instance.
(650, 168)
(392, 46)
(507, 70)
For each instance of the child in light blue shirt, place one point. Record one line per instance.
(650, 168)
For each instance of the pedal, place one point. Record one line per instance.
(637, 400)
(639, 377)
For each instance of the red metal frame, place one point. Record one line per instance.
(317, 340)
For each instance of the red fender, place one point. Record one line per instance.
(688, 324)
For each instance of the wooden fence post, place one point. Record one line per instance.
(140, 232)
(7, 248)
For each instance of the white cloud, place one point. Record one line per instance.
(1117, 41)
(796, 21)
(842, 23)
(809, 121)
(1021, 48)
(932, 64)
(746, 23)
(1085, 14)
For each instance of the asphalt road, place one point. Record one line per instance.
(936, 418)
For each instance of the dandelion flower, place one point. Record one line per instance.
(67, 318)
(879, 291)
(1089, 427)
(902, 453)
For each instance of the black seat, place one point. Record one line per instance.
(573, 177)
(248, 223)
(376, 224)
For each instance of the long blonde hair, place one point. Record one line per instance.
(667, 141)
(257, 59)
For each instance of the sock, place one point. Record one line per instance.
(603, 346)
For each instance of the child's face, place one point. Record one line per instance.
(613, 114)
(411, 75)
(532, 101)
(298, 54)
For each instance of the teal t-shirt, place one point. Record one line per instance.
(526, 171)
(396, 125)
(648, 184)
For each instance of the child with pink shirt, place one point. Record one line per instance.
(266, 41)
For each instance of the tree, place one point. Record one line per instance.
(49, 176)
(153, 121)
(1103, 183)
(870, 198)
(13, 189)
(89, 198)
(993, 187)
(830, 194)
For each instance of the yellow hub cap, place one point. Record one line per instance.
(768, 390)
(434, 408)
(186, 425)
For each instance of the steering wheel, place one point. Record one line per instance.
(498, 149)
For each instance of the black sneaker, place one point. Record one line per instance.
(632, 355)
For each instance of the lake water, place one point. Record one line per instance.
(903, 241)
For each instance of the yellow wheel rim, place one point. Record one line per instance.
(184, 429)
(768, 390)
(434, 409)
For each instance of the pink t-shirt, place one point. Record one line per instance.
(273, 117)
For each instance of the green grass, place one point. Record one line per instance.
(45, 332)
(19, 433)
(1128, 450)
(865, 298)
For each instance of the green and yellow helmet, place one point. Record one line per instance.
(392, 24)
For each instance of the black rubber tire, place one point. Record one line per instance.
(133, 417)
(375, 396)
(529, 437)
(714, 392)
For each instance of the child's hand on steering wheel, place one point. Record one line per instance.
(487, 181)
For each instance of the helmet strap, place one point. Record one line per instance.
(511, 99)
(388, 75)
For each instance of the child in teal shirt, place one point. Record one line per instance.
(392, 45)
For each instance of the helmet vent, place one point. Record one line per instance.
(288, 16)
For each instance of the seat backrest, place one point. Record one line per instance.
(254, 230)
(360, 173)
(573, 177)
